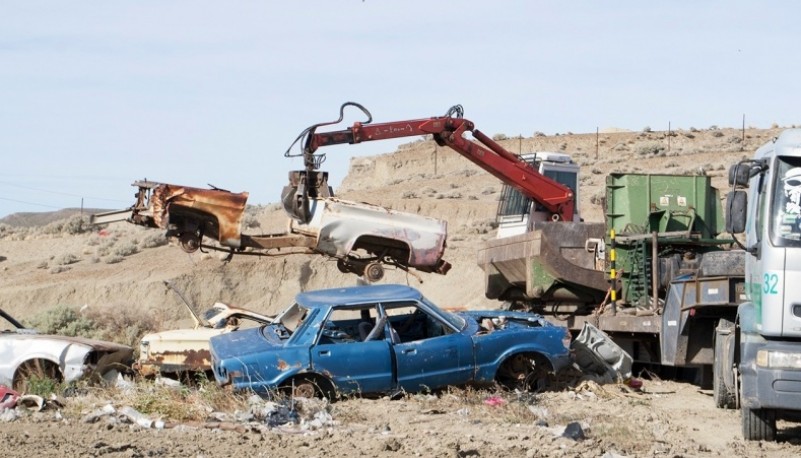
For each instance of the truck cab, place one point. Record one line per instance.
(516, 212)
(766, 343)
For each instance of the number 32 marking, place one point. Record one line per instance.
(771, 281)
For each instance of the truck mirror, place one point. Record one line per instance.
(736, 203)
(739, 174)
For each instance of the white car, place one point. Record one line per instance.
(26, 354)
(178, 352)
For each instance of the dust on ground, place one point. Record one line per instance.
(665, 419)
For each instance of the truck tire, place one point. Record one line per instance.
(724, 397)
(758, 424)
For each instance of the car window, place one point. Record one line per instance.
(353, 324)
(453, 319)
(411, 322)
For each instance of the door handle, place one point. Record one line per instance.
(324, 353)
(409, 351)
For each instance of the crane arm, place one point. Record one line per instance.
(449, 131)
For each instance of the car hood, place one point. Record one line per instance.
(183, 335)
(244, 342)
(99, 345)
(530, 319)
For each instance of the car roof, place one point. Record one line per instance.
(357, 295)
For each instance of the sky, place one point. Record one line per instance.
(95, 95)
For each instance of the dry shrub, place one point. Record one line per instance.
(154, 239)
(64, 320)
(126, 248)
(122, 323)
(181, 403)
(71, 226)
(114, 259)
(66, 259)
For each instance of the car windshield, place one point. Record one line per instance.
(786, 208)
(453, 319)
(211, 313)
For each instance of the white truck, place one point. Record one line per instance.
(758, 357)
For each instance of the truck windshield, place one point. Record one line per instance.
(786, 202)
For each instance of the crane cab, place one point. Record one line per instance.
(516, 212)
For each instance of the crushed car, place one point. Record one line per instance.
(388, 339)
(362, 237)
(180, 352)
(26, 354)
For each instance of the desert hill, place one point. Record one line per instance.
(63, 262)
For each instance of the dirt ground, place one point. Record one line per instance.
(667, 418)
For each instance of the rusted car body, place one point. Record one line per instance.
(24, 353)
(362, 237)
(181, 351)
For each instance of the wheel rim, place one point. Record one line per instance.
(374, 272)
(304, 389)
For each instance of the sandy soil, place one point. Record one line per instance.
(666, 419)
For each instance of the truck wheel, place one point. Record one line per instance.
(725, 398)
(758, 424)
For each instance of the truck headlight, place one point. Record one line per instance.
(778, 359)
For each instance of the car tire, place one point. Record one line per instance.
(758, 424)
(724, 397)
(309, 387)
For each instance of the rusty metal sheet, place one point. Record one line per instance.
(226, 208)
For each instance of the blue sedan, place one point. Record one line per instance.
(387, 339)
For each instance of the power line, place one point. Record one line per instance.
(29, 203)
(59, 192)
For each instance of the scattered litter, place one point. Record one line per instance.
(574, 431)
(31, 402)
(8, 398)
(94, 416)
(494, 401)
(140, 419)
(9, 415)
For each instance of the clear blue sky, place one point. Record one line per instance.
(97, 94)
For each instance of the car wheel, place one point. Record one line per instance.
(374, 272)
(308, 387)
(35, 371)
(724, 397)
(189, 242)
(758, 424)
(524, 372)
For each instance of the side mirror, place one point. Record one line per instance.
(739, 174)
(736, 204)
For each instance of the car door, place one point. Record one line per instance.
(439, 358)
(352, 364)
